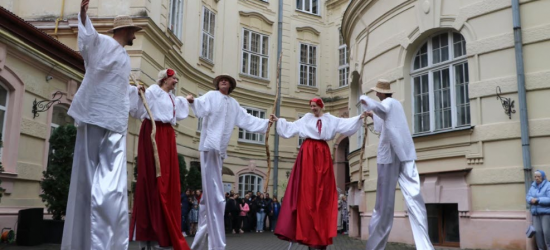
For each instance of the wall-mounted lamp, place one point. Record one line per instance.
(42, 106)
(507, 103)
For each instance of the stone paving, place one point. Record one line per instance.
(250, 241)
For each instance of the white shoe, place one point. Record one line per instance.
(184, 234)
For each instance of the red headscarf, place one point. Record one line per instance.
(318, 101)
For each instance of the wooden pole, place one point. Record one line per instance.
(267, 151)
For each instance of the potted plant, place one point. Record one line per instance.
(55, 184)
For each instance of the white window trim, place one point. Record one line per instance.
(178, 26)
(308, 65)
(449, 64)
(250, 52)
(258, 185)
(343, 66)
(213, 36)
(5, 109)
(311, 4)
(257, 134)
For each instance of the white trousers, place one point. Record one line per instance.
(97, 207)
(382, 216)
(212, 204)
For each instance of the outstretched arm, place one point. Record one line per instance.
(83, 11)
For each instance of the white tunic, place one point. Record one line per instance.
(306, 127)
(392, 124)
(165, 107)
(221, 113)
(103, 98)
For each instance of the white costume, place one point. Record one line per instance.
(97, 207)
(396, 162)
(306, 127)
(220, 113)
(166, 107)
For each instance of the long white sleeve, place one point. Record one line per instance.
(88, 38)
(202, 105)
(288, 129)
(182, 108)
(348, 126)
(136, 104)
(378, 108)
(251, 123)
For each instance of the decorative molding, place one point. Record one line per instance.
(256, 15)
(308, 29)
(474, 161)
(505, 41)
(3, 54)
(486, 88)
(498, 175)
(335, 3)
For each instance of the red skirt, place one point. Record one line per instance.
(309, 209)
(156, 213)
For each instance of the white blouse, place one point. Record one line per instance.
(165, 107)
(306, 127)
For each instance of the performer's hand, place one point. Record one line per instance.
(534, 200)
(190, 98)
(84, 10)
(141, 89)
(273, 118)
(364, 102)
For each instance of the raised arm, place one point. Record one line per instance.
(88, 38)
(288, 129)
(378, 108)
(200, 105)
(84, 11)
(251, 123)
(348, 126)
(182, 108)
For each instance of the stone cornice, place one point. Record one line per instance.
(257, 15)
(308, 29)
(334, 3)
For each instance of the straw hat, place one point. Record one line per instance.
(231, 81)
(123, 22)
(383, 86)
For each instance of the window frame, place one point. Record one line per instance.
(5, 108)
(260, 136)
(300, 64)
(259, 183)
(209, 56)
(250, 53)
(178, 30)
(311, 5)
(343, 46)
(429, 70)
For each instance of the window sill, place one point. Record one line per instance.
(176, 40)
(255, 143)
(331, 90)
(469, 127)
(307, 89)
(254, 79)
(206, 63)
(318, 16)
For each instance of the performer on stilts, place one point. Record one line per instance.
(156, 215)
(220, 114)
(309, 211)
(97, 206)
(396, 163)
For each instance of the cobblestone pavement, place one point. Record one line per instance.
(250, 241)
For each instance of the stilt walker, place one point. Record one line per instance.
(97, 206)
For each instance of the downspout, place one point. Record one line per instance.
(524, 122)
(278, 108)
(60, 18)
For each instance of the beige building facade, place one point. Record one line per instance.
(446, 60)
(200, 40)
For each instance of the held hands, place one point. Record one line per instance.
(141, 89)
(273, 118)
(190, 98)
(366, 113)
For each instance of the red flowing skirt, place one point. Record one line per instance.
(309, 209)
(156, 213)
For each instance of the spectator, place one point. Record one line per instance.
(267, 219)
(245, 208)
(261, 208)
(198, 194)
(343, 208)
(539, 199)
(274, 215)
(252, 220)
(193, 214)
(229, 208)
(185, 207)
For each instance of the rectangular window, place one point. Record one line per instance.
(421, 104)
(462, 97)
(3, 110)
(252, 137)
(308, 65)
(343, 63)
(440, 48)
(176, 17)
(443, 224)
(308, 6)
(208, 27)
(255, 60)
(442, 99)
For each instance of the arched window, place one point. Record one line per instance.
(60, 117)
(440, 84)
(3, 111)
(250, 182)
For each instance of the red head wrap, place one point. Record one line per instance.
(318, 101)
(170, 72)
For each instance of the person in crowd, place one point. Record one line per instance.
(274, 214)
(227, 214)
(261, 208)
(343, 208)
(538, 198)
(339, 225)
(193, 215)
(395, 162)
(252, 213)
(310, 211)
(185, 207)
(267, 219)
(220, 114)
(198, 195)
(245, 208)
(235, 214)
(156, 212)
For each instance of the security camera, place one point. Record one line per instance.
(48, 78)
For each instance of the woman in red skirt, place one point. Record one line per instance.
(156, 215)
(309, 211)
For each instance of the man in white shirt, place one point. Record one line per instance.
(97, 206)
(220, 114)
(396, 162)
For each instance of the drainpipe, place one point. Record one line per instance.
(278, 108)
(60, 18)
(524, 122)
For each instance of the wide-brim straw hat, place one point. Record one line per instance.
(123, 21)
(383, 86)
(225, 75)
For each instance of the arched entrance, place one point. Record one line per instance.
(341, 166)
